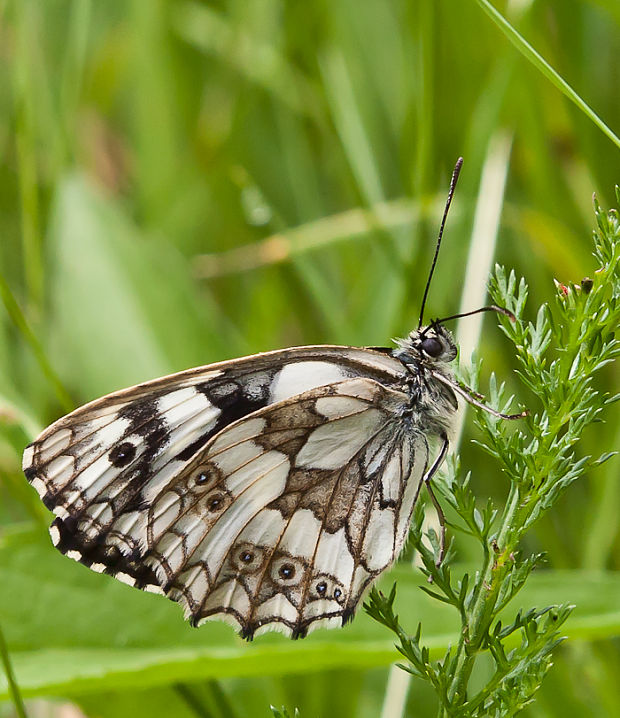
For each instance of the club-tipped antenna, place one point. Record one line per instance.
(453, 181)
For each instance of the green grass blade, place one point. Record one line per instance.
(18, 318)
(212, 33)
(541, 64)
(26, 117)
(347, 226)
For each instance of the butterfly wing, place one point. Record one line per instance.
(108, 470)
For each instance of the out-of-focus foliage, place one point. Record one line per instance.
(185, 181)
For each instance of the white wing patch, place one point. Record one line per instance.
(301, 534)
(294, 379)
(333, 444)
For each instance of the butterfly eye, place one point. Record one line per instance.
(432, 346)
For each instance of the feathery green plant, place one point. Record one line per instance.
(283, 712)
(558, 356)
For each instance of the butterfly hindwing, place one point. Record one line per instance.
(287, 515)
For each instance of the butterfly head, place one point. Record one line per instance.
(428, 345)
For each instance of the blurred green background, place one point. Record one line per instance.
(183, 182)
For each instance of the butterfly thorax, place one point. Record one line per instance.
(426, 354)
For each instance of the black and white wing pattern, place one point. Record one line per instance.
(269, 491)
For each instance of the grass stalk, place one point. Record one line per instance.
(545, 68)
(21, 323)
(25, 140)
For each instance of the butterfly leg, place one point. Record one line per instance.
(440, 514)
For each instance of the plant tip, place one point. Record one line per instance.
(586, 285)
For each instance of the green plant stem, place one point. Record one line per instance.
(10, 676)
(558, 354)
(191, 701)
(483, 602)
(518, 510)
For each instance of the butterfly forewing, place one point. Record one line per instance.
(241, 489)
(132, 435)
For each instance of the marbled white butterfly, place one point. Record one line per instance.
(268, 491)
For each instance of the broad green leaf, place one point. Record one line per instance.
(123, 302)
(72, 631)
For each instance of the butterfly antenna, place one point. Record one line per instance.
(490, 308)
(453, 181)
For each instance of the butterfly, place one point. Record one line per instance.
(268, 491)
